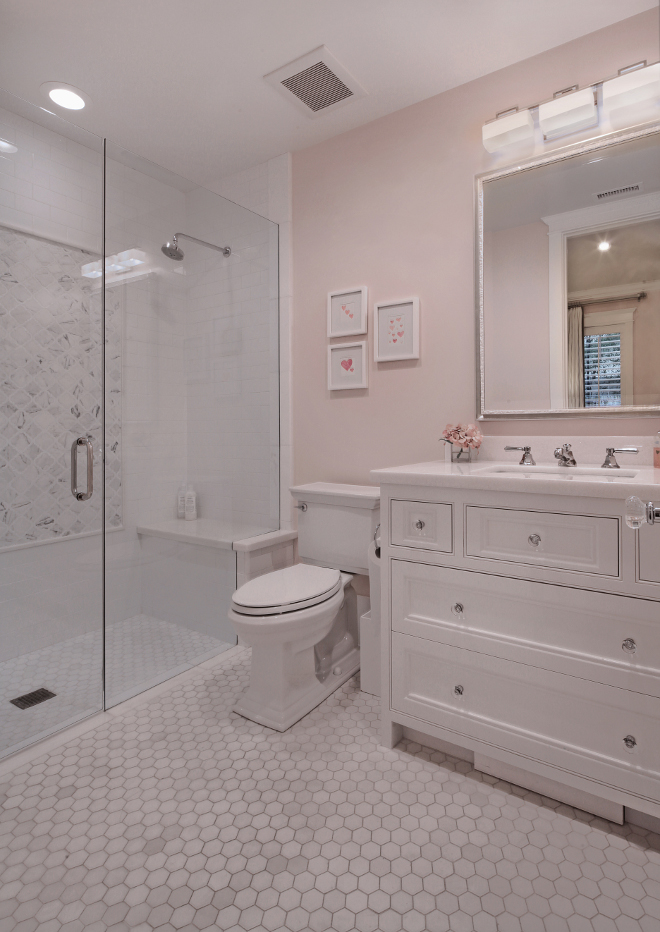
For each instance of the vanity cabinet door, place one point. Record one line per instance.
(563, 720)
(649, 553)
(605, 638)
(580, 543)
(423, 525)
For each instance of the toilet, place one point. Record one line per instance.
(302, 621)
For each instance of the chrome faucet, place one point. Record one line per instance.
(527, 458)
(565, 455)
(610, 459)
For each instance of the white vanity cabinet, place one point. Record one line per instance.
(521, 630)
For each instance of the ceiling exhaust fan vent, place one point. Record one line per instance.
(315, 83)
(618, 192)
(317, 87)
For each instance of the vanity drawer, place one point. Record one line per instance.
(424, 525)
(580, 543)
(605, 638)
(537, 713)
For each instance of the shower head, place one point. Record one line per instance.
(172, 250)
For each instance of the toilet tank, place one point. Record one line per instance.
(337, 525)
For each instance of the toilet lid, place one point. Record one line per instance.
(286, 590)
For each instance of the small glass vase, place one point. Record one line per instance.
(463, 454)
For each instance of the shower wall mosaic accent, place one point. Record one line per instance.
(51, 390)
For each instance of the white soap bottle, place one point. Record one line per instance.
(181, 501)
(191, 504)
(656, 451)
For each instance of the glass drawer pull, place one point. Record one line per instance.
(534, 540)
(629, 645)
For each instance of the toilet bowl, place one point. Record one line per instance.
(301, 622)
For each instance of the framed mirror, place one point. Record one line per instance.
(568, 281)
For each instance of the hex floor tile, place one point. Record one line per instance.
(180, 815)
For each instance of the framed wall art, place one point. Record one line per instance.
(396, 330)
(347, 312)
(347, 366)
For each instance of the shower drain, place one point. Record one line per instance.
(33, 698)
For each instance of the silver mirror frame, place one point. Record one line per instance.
(557, 155)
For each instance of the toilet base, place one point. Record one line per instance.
(281, 720)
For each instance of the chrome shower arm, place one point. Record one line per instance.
(225, 250)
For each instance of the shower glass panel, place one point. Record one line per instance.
(51, 398)
(156, 372)
(191, 397)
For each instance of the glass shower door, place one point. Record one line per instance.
(51, 425)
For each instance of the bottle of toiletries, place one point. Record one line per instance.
(656, 451)
(191, 504)
(181, 501)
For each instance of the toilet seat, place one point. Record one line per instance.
(288, 590)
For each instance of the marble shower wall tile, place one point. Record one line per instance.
(51, 390)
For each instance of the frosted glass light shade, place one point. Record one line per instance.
(509, 130)
(633, 89)
(568, 114)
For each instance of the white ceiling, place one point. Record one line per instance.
(181, 81)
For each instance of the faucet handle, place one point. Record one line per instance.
(527, 458)
(610, 459)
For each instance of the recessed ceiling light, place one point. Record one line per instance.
(7, 146)
(65, 95)
(604, 246)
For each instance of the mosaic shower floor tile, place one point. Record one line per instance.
(178, 814)
(140, 652)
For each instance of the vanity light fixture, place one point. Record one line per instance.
(637, 85)
(568, 113)
(65, 95)
(604, 245)
(7, 147)
(511, 128)
(634, 94)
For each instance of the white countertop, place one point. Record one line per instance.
(607, 483)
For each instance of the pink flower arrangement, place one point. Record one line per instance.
(467, 436)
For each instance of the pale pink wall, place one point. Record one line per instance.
(390, 205)
(516, 290)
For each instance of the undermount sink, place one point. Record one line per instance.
(565, 473)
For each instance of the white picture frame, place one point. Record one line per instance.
(347, 366)
(347, 312)
(396, 330)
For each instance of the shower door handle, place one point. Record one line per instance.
(77, 494)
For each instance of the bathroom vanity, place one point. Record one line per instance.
(521, 626)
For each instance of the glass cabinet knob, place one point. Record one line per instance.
(534, 540)
(457, 608)
(419, 524)
(629, 645)
(630, 741)
(458, 690)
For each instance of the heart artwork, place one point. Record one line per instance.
(348, 309)
(395, 330)
(347, 364)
